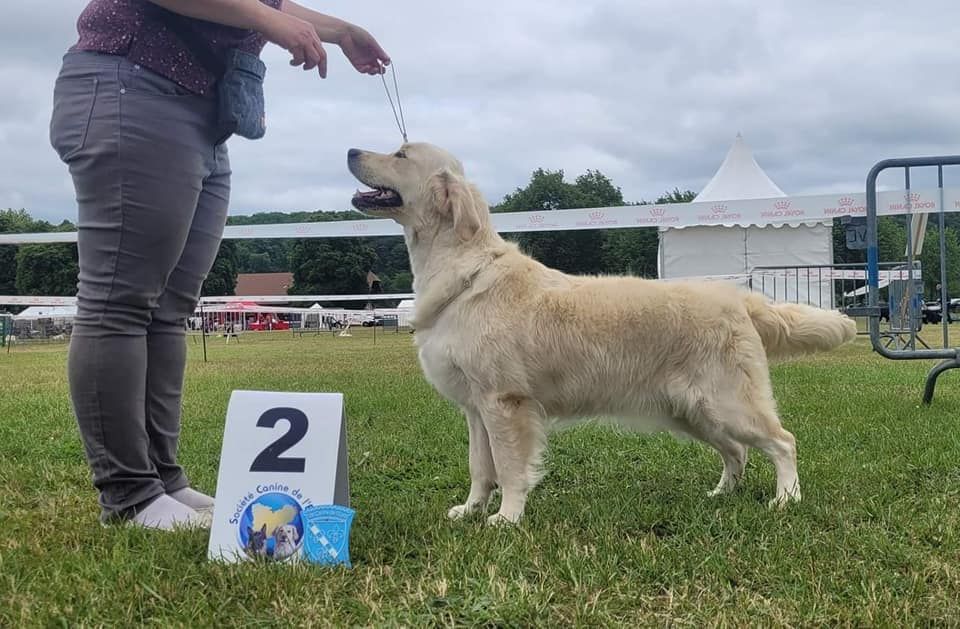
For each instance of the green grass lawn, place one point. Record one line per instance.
(620, 532)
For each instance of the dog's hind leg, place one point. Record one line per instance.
(706, 424)
(734, 456)
(483, 474)
(781, 446)
(760, 428)
(515, 427)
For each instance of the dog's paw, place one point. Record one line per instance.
(721, 490)
(459, 511)
(502, 519)
(781, 502)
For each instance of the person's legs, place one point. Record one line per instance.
(138, 151)
(166, 346)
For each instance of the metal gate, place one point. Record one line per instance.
(908, 291)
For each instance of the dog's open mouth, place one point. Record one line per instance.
(377, 198)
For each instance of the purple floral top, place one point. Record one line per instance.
(125, 27)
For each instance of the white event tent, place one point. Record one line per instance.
(34, 313)
(736, 247)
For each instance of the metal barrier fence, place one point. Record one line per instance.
(279, 322)
(6, 329)
(835, 286)
(49, 319)
(910, 292)
(34, 330)
(843, 287)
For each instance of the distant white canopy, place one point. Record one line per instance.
(47, 312)
(735, 249)
(739, 177)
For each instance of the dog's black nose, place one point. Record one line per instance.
(353, 153)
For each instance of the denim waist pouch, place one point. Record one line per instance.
(241, 107)
(240, 76)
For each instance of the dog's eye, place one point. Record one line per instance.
(400, 155)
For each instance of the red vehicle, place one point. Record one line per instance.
(266, 323)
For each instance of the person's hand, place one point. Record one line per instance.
(363, 51)
(300, 38)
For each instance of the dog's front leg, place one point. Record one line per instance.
(483, 475)
(516, 433)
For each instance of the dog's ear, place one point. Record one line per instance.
(452, 195)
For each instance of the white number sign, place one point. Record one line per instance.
(282, 454)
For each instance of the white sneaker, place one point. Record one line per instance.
(199, 502)
(167, 514)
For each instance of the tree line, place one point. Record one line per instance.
(340, 265)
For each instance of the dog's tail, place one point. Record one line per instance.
(794, 329)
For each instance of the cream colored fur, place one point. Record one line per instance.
(521, 347)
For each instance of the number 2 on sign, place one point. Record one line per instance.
(269, 460)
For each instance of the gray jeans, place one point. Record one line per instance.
(152, 186)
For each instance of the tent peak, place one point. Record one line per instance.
(739, 177)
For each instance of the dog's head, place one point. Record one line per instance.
(257, 538)
(419, 185)
(286, 534)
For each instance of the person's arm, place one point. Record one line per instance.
(294, 27)
(246, 14)
(329, 29)
(294, 34)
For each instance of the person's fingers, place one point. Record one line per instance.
(381, 53)
(375, 50)
(298, 56)
(315, 54)
(322, 66)
(319, 50)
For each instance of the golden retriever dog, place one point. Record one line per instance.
(522, 348)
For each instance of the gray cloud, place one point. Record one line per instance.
(650, 93)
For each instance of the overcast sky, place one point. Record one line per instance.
(650, 92)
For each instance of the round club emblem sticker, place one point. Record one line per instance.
(271, 527)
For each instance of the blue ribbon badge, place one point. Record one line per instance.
(326, 534)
